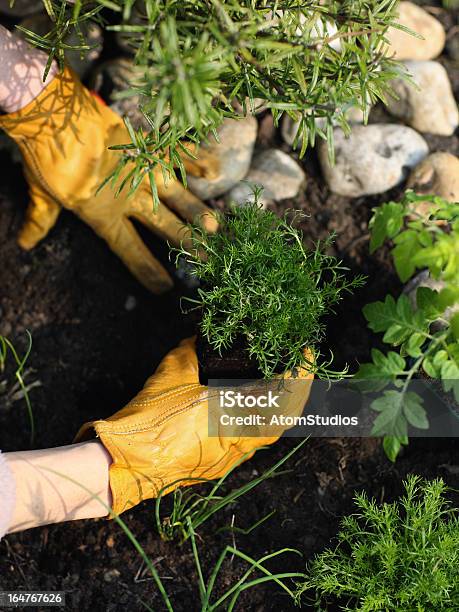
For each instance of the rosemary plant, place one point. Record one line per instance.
(196, 58)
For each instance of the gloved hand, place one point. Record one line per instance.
(64, 135)
(161, 437)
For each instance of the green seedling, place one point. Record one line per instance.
(20, 389)
(422, 338)
(190, 510)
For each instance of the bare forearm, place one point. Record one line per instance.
(59, 484)
(21, 72)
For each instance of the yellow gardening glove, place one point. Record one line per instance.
(64, 135)
(160, 441)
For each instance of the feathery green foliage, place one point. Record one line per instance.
(214, 594)
(199, 59)
(191, 509)
(425, 339)
(398, 556)
(260, 284)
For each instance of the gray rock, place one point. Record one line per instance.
(372, 159)
(112, 77)
(279, 174)
(405, 46)
(234, 154)
(21, 8)
(81, 63)
(431, 106)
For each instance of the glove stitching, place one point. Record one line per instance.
(169, 394)
(146, 425)
(30, 158)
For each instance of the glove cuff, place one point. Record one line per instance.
(55, 108)
(8, 492)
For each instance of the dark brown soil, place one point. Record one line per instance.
(230, 364)
(97, 335)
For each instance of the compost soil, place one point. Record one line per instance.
(97, 335)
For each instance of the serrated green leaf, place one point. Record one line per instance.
(396, 334)
(380, 315)
(392, 446)
(413, 345)
(447, 297)
(450, 378)
(454, 324)
(395, 364)
(385, 223)
(440, 358)
(390, 420)
(406, 247)
(371, 378)
(429, 368)
(426, 299)
(383, 369)
(414, 410)
(453, 351)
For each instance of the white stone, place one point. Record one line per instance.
(279, 174)
(372, 159)
(430, 107)
(407, 47)
(233, 153)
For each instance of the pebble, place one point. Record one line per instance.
(81, 64)
(406, 46)
(431, 107)
(437, 174)
(372, 159)
(111, 575)
(112, 77)
(130, 304)
(234, 154)
(279, 174)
